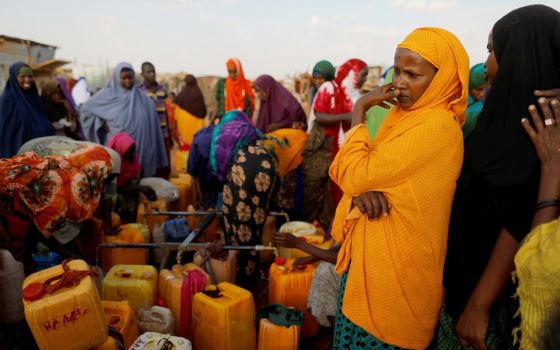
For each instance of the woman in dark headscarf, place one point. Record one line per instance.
(59, 109)
(22, 115)
(67, 94)
(122, 107)
(191, 99)
(496, 193)
(190, 111)
(279, 109)
(282, 117)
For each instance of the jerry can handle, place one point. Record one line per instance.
(212, 291)
(167, 344)
(156, 316)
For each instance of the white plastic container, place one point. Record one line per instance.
(155, 319)
(155, 341)
(163, 188)
(11, 281)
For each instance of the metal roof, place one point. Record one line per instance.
(18, 40)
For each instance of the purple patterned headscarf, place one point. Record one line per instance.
(234, 132)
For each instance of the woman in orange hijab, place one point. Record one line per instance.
(398, 188)
(235, 92)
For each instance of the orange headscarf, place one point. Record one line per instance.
(395, 264)
(237, 90)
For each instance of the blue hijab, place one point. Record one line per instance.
(22, 115)
(129, 111)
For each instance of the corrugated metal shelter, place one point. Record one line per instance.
(41, 58)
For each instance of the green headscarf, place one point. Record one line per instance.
(376, 115)
(326, 69)
(476, 76)
(26, 70)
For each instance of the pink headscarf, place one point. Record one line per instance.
(121, 143)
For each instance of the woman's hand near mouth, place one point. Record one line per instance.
(384, 96)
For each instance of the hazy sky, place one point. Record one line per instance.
(276, 37)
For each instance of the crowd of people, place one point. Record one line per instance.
(436, 186)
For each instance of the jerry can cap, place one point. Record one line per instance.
(33, 291)
(147, 275)
(125, 273)
(161, 302)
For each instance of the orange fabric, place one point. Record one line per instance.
(170, 108)
(50, 190)
(289, 157)
(237, 90)
(394, 289)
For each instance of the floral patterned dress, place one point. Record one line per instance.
(247, 195)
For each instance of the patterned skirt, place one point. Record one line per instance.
(498, 336)
(349, 336)
(247, 195)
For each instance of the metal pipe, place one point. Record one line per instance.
(176, 245)
(202, 213)
(190, 237)
(210, 271)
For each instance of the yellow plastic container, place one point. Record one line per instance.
(275, 337)
(130, 233)
(181, 159)
(144, 230)
(305, 231)
(290, 287)
(316, 240)
(70, 318)
(147, 207)
(119, 315)
(184, 184)
(226, 322)
(212, 232)
(268, 229)
(135, 283)
(170, 285)
(225, 271)
(193, 220)
(115, 220)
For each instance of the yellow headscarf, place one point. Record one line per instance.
(449, 87)
(394, 288)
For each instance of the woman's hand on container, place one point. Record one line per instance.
(374, 204)
(306, 260)
(286, 240)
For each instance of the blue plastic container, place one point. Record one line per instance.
(46, 260)
(176, 230)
